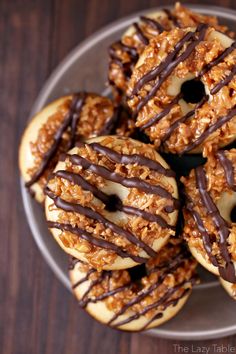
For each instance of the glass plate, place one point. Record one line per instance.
(210, 312)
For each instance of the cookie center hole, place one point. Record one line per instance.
(113, 203)
(193, 91)
(137, 273)
(233, 214)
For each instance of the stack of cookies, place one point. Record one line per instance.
(111, 200)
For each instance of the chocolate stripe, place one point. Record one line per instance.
(94, 240)
(224, 82)
(49, 155)
(123, 47)
(162, 114)
(140, 296)
(160, 302)
(107, 294)
(172, 17)
(132, 51)
(84, 300)
(217, 60)
(152, 74)
(172, 264)
(132, 159)
(205, 236)
(131, 182)
(106, 199)
(183, 119)
(92, 214)
(141, 36)
(228, 169)
(172, 302)
(152, 23)
(221, 121)
(76, 108)
(170, 66)
(79, 282)
(228, 272)
(111, 124)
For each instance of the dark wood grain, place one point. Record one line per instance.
(37, 314)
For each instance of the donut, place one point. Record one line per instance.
(112, 202)
(209, 214)
(56, 128)
(138, 298)
(182, 90)
(124, 53)
(229, 287)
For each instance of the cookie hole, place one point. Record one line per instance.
(193, 91)
(113, 203)
(137, 273)
(233, 214)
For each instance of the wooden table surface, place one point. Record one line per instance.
(37, 314)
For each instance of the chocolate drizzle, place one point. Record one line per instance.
(140, 34)
(152, 74)
(92, 214)
(228, 169)
(70, 120)
(132, 159)
(217, 60)
(132, 182)
(79, 282)
(167, 303)
(165, 68)
(172, 17)
(221, 121)
(94, 240)
(112, 123)
(183, 119)
(116, 59)
(162, 114)
(75, 111)
(171, 62)
(126, 66)
(227, 271)
(164, 301)
(224, 81)
(205, 236)
(152, 23)
(115, 200)
(140, 296)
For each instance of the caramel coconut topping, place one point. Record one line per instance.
(145, 290)
(208, 224)
(86, 206)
